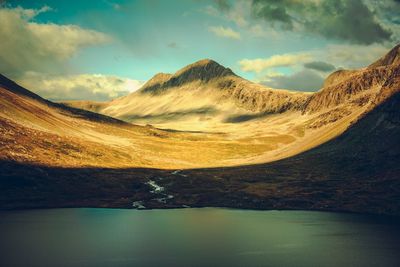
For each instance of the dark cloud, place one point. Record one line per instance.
(274, 11)
(349, 20)
(304, 80)
(173, 45)
(320, 66)
(387, 10)
(223, 5)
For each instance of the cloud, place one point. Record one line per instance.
(351, 21)
(274, 11)
(40, 47)
(223, 4)
(238, 13)
(257, 30)
(225, 32)
(173, 45)
(94, 87)
(351, 56)
(304, 80)
(285, 60)
(319, 66)
(354, 21)
(342, 56)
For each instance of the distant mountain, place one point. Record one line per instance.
(202, 91)
(204, 71)
(208, 97)
(219, 87)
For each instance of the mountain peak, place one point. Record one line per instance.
(203, 70)
(204, 61)
(208, 67)
(392, 57)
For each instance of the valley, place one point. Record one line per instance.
(209, 138)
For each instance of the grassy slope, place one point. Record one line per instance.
(37, 131)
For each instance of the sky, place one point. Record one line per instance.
(100, 50)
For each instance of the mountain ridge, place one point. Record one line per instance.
(275, 123)
(335, 150)
(355, 172)
(203, 70)
(343, 87)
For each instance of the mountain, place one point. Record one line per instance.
(204, 71)
(207, 97)
(37, 131)
(336, 149)
(202, 91)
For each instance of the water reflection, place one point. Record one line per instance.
(196, 237)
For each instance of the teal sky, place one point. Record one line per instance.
(159, 36)
(147, 37)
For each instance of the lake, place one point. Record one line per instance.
(196, 237)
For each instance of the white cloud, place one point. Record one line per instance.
(94, 87)
(225, 32)
(260, 64)
(304, 80)
(239, 13)
(258, 31)
(29, 46)
(352, 56)
(211, 11)
(342, 56)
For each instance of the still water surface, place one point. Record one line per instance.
(196, 237)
